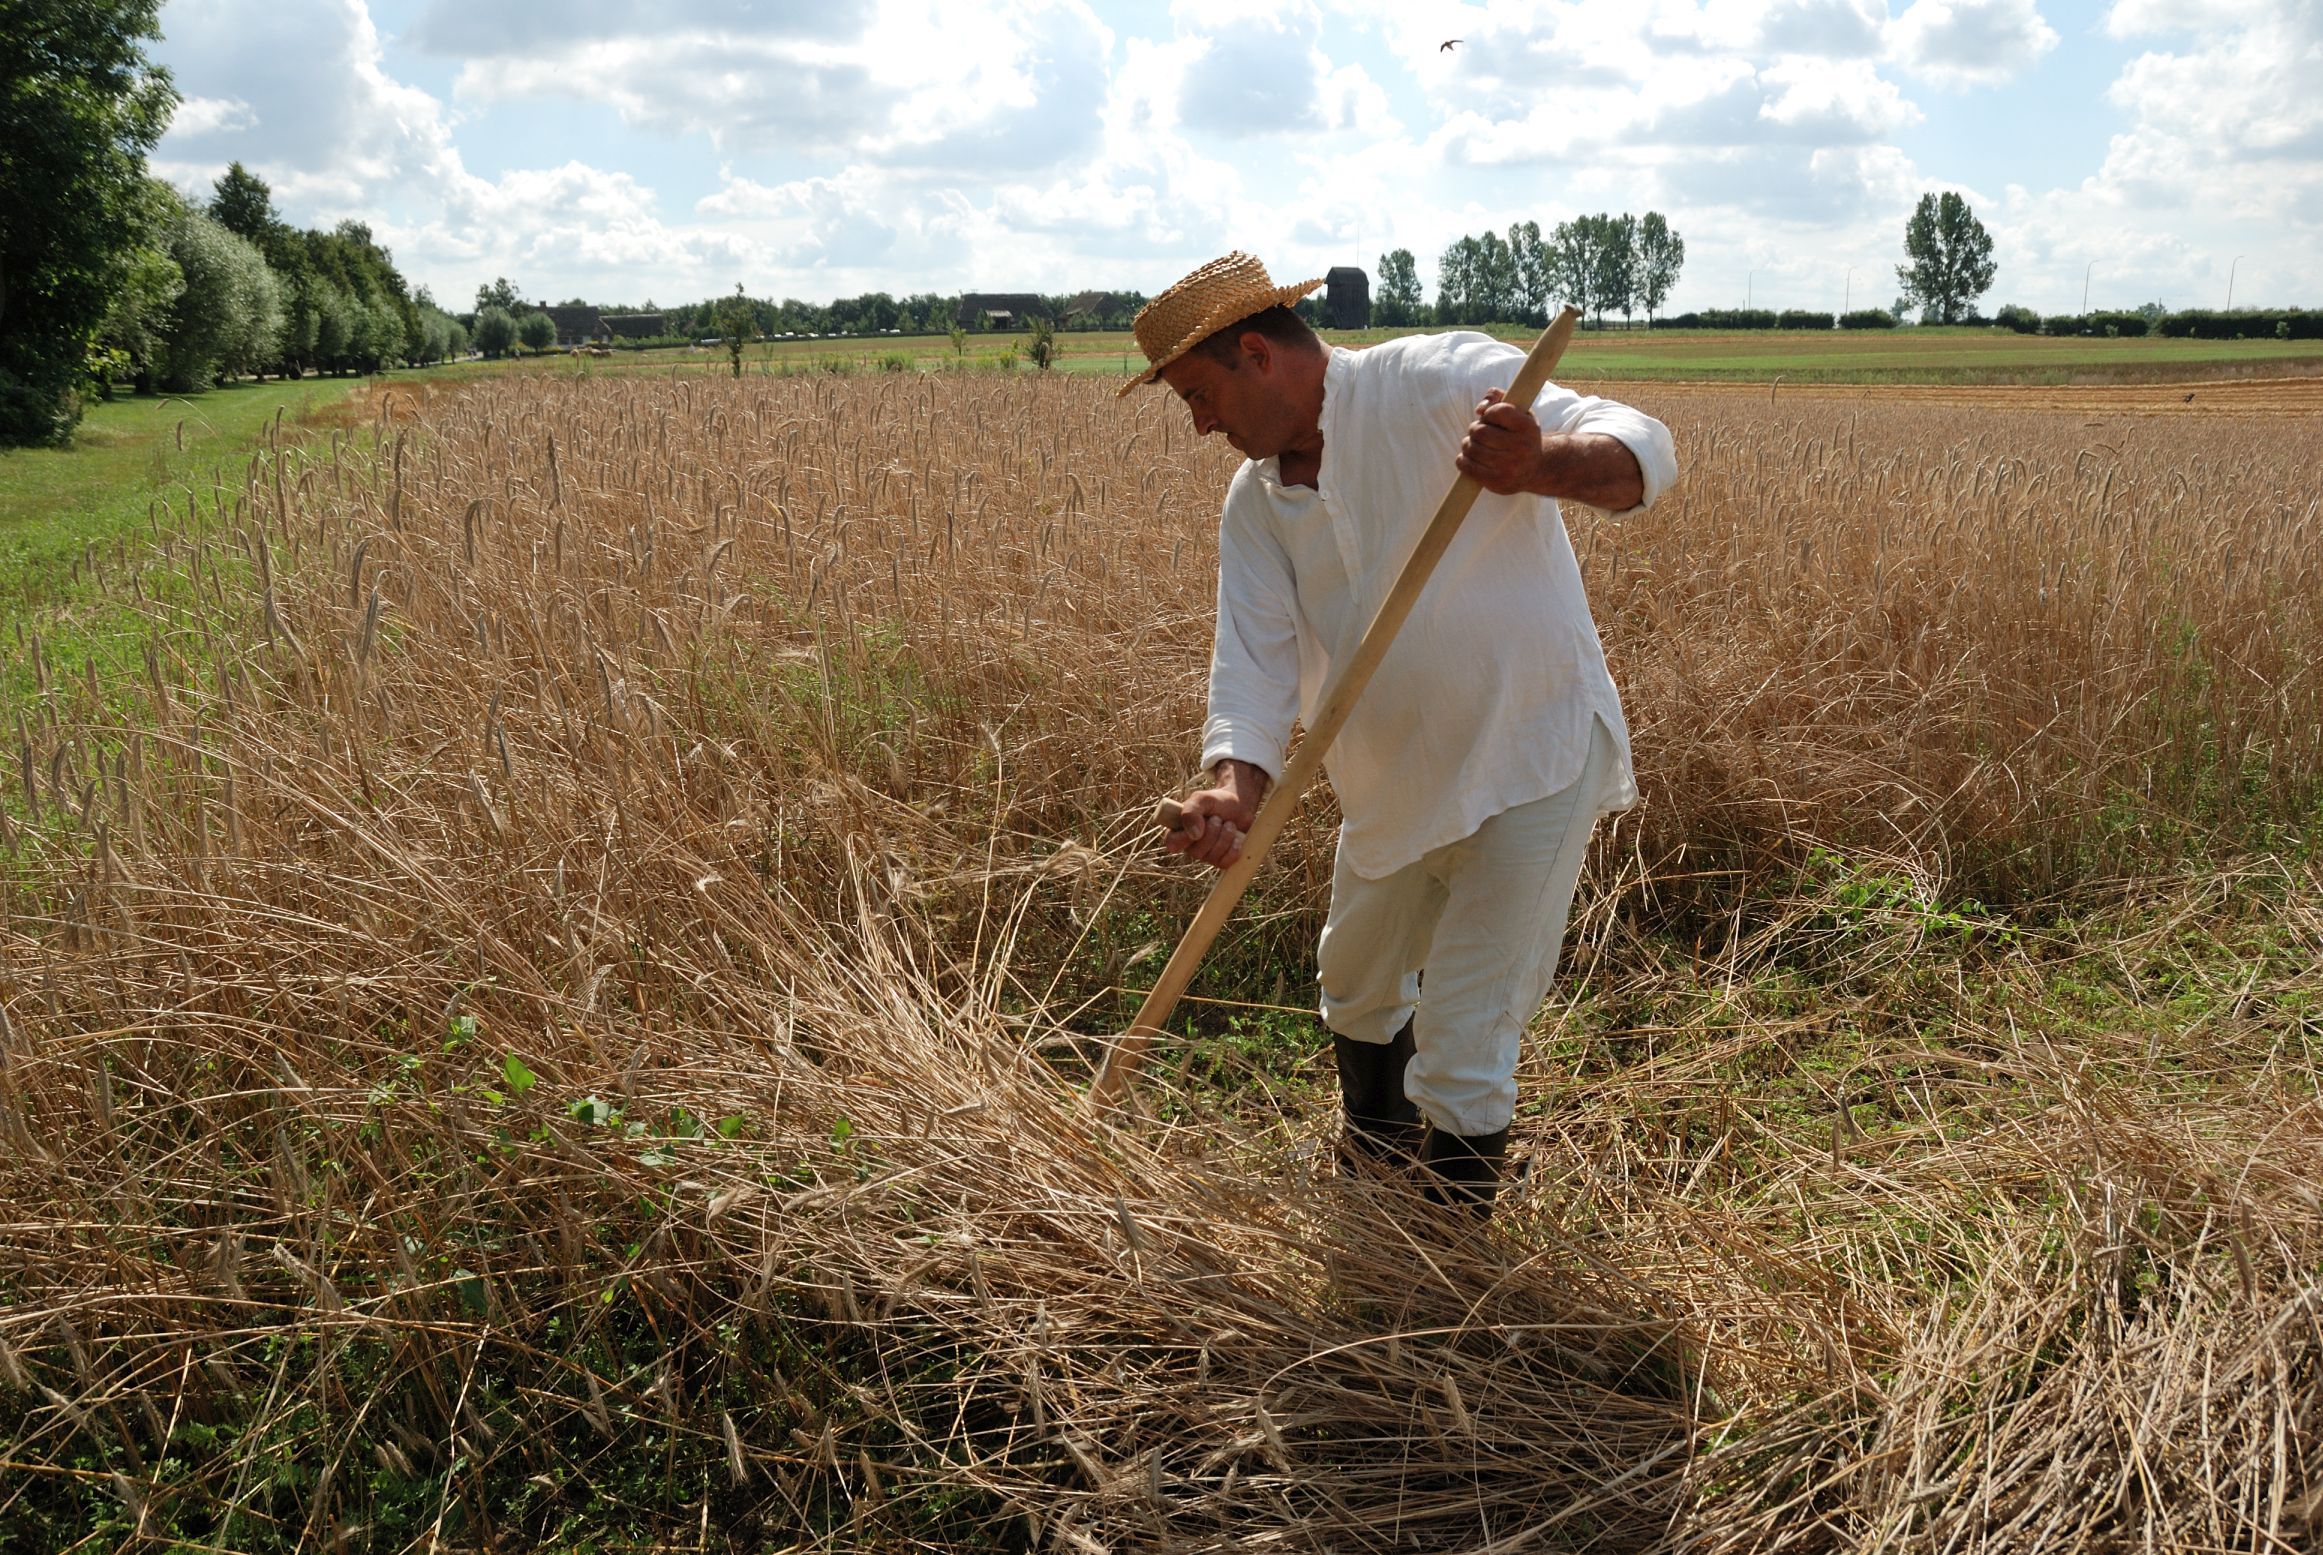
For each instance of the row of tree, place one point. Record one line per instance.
(878, 313)
(872, 313)
(1599, 264)
(111, 277)
(1624, 264)
(200, 293)
(761, 318)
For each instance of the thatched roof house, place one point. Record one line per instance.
(1091, 309)
(577, 324)
(637, 326)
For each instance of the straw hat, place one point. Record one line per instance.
(1206, 301)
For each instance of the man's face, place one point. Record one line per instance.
(1243, 401)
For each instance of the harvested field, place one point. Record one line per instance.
(550, 1015)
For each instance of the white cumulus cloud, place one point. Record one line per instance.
(1971, 42)
(918, 82)
(199, 117)
(908, 145)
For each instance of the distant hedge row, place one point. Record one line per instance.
(2192, 323)
(1767, 318)
(2026, 322)
(2244, 324)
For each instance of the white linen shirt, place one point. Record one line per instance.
(1486, 698)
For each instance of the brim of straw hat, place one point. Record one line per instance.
(1226, 311)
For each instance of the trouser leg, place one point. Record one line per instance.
(1508, 890)
(1373, 943)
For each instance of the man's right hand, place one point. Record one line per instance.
(1214, 820)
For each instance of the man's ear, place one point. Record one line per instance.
(1257, 348)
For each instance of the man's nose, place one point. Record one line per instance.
(1204, 423)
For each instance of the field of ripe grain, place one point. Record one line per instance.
(549, 1014)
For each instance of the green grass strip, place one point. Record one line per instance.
(102, 490)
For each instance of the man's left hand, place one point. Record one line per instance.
(1503, 447)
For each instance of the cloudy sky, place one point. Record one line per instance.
(623, 151)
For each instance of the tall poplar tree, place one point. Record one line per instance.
(1950, 259)
(1661, 253)
(1616, 262)
(1400, 298)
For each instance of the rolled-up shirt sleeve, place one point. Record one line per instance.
(1482, 363)
(1254, 665)
(1646, 439)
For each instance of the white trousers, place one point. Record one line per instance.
(1468, 937)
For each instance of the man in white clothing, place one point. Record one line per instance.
(1474, 767)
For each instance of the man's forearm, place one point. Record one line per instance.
(1243, 777)
(1589, 467)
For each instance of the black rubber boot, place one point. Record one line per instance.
(1380, 1127)
(1463, 1170)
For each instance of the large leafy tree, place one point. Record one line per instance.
(436, 333)
(495, 331)
(1573, 262)
(500, 294)
(1533, 278)
(354, 276)
(1400, 298)
(242, 203)
(1950, 259)
(227, 317)
(79, 108)
(1616, 261)
(142, 284)
(1496, 279)
(1661, 253)
(1456, 282)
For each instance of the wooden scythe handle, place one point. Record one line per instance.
(1338, 700)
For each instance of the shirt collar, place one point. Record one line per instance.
(1337, 366)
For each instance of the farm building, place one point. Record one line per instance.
(1347, 298)
(1000, 310)
(577, 324)
(636, 326)
(1098, 310)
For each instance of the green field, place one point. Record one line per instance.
(129, 459)
(1921, 355)
(1927, 355)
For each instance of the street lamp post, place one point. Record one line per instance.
(2085, 269)
(2230, 282)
